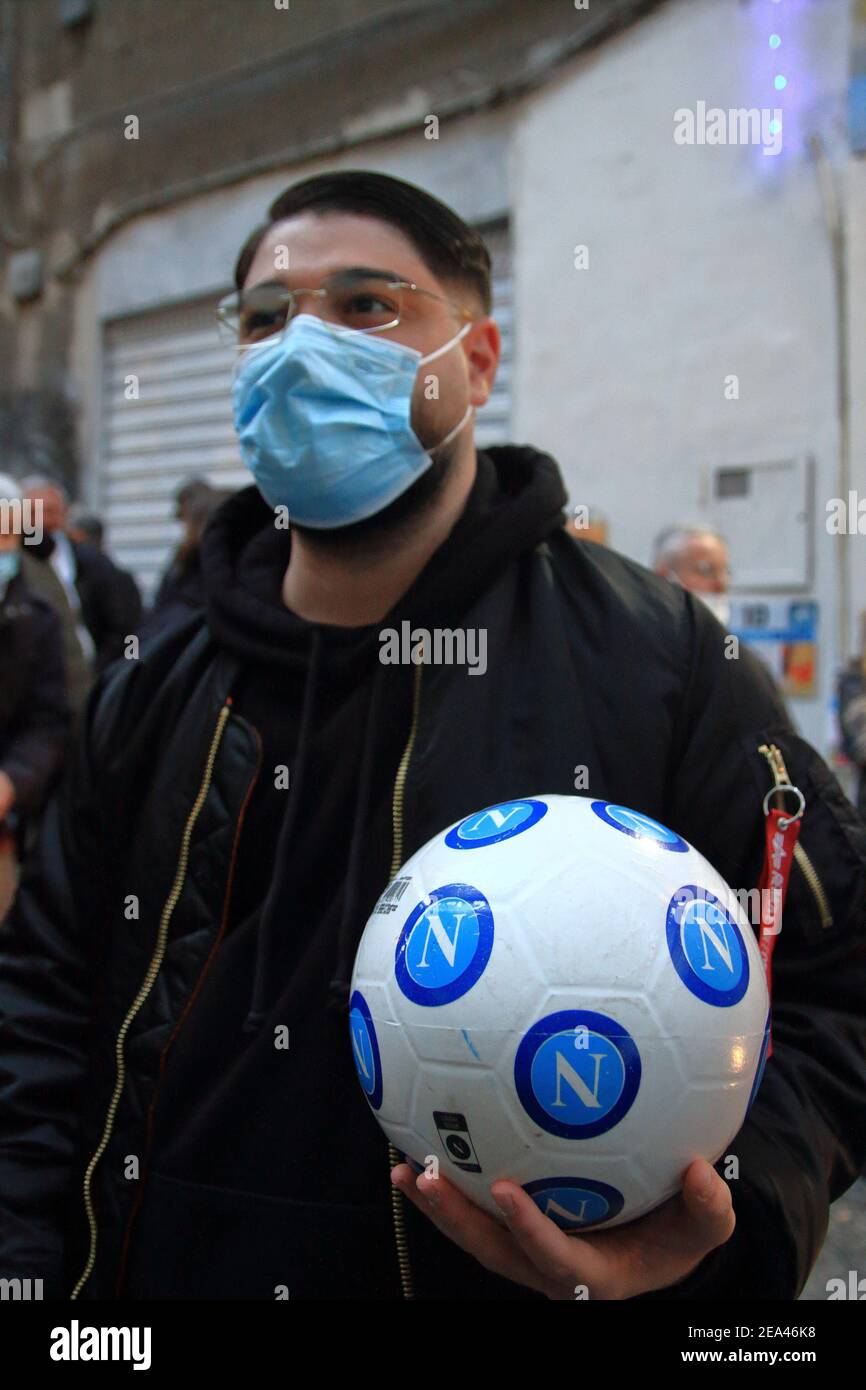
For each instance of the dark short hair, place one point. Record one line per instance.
(447, 245)
(193, 488)
(92, 526)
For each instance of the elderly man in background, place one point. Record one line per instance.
(104, 599)
(697, 558)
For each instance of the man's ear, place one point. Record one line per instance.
(482, 346)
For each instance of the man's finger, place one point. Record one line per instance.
(467, 1226)
(710, 1207)
(668, 1244)
(562, 1261)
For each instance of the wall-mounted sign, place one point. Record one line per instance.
(784, 633)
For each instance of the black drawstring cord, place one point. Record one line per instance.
(257, 1010)
(349, 931)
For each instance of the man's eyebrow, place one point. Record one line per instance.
(359, 272)
(345, 274)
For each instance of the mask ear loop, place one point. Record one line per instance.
(431, 357)
(446, 347)
(453, 433)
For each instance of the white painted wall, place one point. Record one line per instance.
(856, 265)
(704, 261)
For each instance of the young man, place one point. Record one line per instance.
(244, 792)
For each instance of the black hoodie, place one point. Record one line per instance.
(261, 1101)
(262, 1168)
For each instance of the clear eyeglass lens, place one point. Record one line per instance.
(367, 305)
(260, 313)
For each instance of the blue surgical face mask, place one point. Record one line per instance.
(323, 418)
(10, 564)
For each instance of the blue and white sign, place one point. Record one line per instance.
(445, 945)
(573, 1203)
(577, 1073)
(774, 620)
(495, 823)
(365, 1049)
(707, 947)
(641, 827)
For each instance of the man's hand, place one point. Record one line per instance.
(651, 1253)
(7, 795)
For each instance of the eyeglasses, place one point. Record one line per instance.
(359, 300)
(707, 570)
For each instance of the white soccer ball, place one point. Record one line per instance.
(560, 991)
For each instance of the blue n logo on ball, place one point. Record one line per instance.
(639, 826)
(365, 1049)
(445, 945)
(495, 823)
(707, 947)
(574, 1203)
(577, 1073)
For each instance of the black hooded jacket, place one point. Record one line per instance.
(241, 796)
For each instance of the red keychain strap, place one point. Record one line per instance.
(782, 833)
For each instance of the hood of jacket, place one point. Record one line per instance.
(516, 500)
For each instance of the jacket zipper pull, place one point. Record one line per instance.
(781, 780)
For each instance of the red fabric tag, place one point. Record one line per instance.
(773, 885)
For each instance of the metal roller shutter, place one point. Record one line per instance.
(179, 424)
(166, 415)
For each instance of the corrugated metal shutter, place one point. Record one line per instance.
(166, 415)
(179, 424)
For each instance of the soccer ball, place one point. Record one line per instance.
(560, 991)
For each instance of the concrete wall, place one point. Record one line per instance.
(703, 261)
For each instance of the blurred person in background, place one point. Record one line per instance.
(181, 589)
(104, 598)
(697, 558)
(34, 712)
(42, 580)
(852, 715)
(85, 527)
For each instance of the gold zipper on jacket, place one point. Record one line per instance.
(807, 868)
(397, 1208)
(149, 980)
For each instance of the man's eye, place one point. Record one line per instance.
(369, 304)
(261, 321)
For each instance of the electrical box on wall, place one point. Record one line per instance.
(763, 508)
